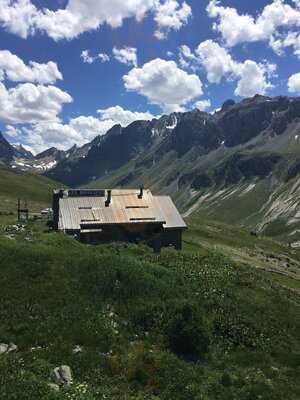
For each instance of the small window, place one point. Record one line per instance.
(84, 208)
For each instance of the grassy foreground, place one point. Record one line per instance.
(193, 325)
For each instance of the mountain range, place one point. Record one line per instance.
(240, 164)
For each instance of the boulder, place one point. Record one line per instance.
(7, 348)
(63, 375)
(3, 348)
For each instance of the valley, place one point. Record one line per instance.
(218, 320)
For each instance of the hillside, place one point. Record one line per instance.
(240, 165)
(14, 184)
(134, 325)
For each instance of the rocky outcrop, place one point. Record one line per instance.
(63, 375)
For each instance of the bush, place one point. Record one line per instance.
(186, 332)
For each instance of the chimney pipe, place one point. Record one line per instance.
(140, 196)
(108, 200)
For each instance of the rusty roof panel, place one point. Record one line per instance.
(170, 212)
(125, 208)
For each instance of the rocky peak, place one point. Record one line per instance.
(52, 152)
(6, 150)
(227, 105)
(21, 152)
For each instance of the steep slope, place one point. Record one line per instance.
(36, 189)
(21, 152)
(239, 165)
(6, 150)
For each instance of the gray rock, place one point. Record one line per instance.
(7, 348)
(63, 374)
(12, 347)
(3, 348)
(77, 349)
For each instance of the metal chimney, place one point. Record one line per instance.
(108, 199)
(140, 196)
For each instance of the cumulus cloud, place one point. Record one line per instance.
(164, 84)
(89, 59)
(80, 130)
(294, 83)
(14, 69)
(18, 16)
(12, 131)
(291, 39)
(187, 58)
(203, 105)
(216, 60)
(126, 55)
(238, 28)
(124, 117)
(103, 57)
(252, 77)
(29, 103)
(170, 15)
(23, 18)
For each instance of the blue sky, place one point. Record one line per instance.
(232, 49)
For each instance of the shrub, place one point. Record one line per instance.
(186, 332)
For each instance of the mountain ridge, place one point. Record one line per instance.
(240, 164)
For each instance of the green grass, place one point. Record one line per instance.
(258, 251)
(36, 189)
(188, 325)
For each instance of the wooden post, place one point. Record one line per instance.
(19, 208)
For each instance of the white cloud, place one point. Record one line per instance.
(23, 18)
(18, 16)
(170, 15)
(29, 103)
(291, 39)
(89, 59)
(294, 83)
(14, 69)
(203, 105)
(236, 28)
(127, 55)
(86, 57)
(187, 58)
(252, 77)
(163, 83)
(216, 60)
(39, 136)
(12, 131)
(124, 117)
(103, 57)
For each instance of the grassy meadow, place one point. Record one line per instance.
(197, 324)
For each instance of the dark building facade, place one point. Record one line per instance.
(99, 216)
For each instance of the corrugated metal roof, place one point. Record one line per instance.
(167, 208)
(125, 208)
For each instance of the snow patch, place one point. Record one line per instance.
(173, 124)
(248, 189)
